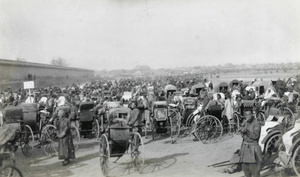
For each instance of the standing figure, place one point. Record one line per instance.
(251, 154)
(66, 148)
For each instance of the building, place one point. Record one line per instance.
(20, 70)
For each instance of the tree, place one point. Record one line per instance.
(59, 62)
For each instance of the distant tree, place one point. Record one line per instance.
(21, 59)
(59, 62)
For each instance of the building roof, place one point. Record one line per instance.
(40, 65)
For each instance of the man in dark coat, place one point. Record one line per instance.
(66, 148)
(251, 154)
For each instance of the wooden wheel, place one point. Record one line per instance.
(75, 136)
(296, 161)
(10, 171)
(271, 148)
(27, 141)
(104, 153)
(137, 152)
(96, 129)
(208, 129)
(50, 142)
(175, 119)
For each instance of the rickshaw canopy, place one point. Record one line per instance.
(170, 88)
(235, 81)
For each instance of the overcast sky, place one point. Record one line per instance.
(114, 34)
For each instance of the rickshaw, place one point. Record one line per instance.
(195, 90)
(120, 138)
(87, 120)
(8, 145)
(13, 115)
(165, 119)
(170, 90)
(102, 113)
(234, 83)
(223, 87)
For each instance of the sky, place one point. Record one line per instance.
(120, 34)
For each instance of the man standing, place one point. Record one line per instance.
(251, 154)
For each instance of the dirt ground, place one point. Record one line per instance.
(184, 158)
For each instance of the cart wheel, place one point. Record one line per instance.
(137, 152)
(290, 119)
(189, 120)
(104, 155)
(27, 141)
(75, 136)
(50, 142)
(96, 128)
(10, 170)
(271, 147)
(175, 119)
(261, 118)
(296, 161)
(208, 129)
(235, 126)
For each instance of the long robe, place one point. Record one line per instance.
(66, 148)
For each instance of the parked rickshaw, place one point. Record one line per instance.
(234, 83)
(195, 90)
(165, 118)
(8, 145)
(13, 115)
(88, 122)
(223, 87)
(170, 90)
(120, 138)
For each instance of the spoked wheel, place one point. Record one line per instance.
(261, 118)
(75, 136)
(27, 141)
(290, 119)
(235, 124)
(104, 155)
(137, 152)
(296, 161)
(192, 124)
(49, 140)
(96, 129)
(10, 171)
(208, 129)
(175, 119)
(271, 148)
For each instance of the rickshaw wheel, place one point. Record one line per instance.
(175, 120)
(75, 136)
(271, 147)
(50, 142)
(296, 161)
(27, 141)
(208, 129)
(96, 128)
(10, 170)
(137, 152)
(261, 118)
(189, 120)
(104, 153)
(235, 124)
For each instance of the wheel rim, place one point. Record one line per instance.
(104, 155)
(209, 129)
(296, 161)
(27, 141)
(96, 129)
(271, 148)
(50, 143)
(137, 152)
(75, 136)
(10, 171)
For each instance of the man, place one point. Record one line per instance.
(251, 154)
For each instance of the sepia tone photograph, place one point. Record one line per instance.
(149, 88)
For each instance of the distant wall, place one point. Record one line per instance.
(17, 70)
